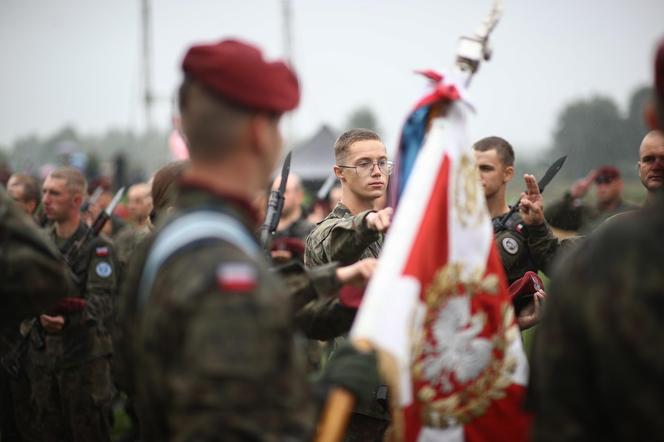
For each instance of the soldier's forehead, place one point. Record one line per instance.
(367, 148)
(54, 181)
(487, 156)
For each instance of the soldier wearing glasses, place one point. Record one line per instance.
(352, 231)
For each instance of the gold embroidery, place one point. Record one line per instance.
(466, 192)
(474, 399)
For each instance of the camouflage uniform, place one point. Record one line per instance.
(298, 229)
(70, 376)
(292, 239)
(32, 277)
(217, 361)
(597, 373)
(527, 248)
(571, 214)
(344, 238)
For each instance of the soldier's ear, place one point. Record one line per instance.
(508, 173)
(338, 171)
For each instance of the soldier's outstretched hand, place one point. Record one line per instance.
(380, 220)
(357, 274)
(531, 205)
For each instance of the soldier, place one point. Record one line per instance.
(571, 213)
(217, 358)
(33, 278)
(354, 230)
(139, 205)
(24, 190)
(597, 374)
(651, 163)
(527, 244)
(293, 228)
(69, 363)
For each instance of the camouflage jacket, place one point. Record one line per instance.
(298, 229)
(597, 365)
(87, 333)
(236, 373)
(527, 248)
(344, 238)
(570, 214)
(33, 274)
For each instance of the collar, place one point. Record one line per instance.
(187, 183)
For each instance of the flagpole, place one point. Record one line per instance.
(471, 52)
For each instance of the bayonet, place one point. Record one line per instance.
(274, 206)
(92, 199)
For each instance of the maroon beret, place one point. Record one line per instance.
(525, 286)
(238, 72)
(607, 174)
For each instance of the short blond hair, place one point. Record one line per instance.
(349, 137)
(74, 179)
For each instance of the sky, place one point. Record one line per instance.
(77, 62)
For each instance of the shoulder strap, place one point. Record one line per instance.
(187, 229)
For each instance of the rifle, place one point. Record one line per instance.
(274, 207)
(74, 249)
(504, 222)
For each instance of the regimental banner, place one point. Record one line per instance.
(438, 308)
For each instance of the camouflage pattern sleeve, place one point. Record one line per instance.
(324, 319)
(339, 239)
(236, 371)
(305, 285)
(559, 388)
(567, 215)
(101, 285)
(33, 275)
(596, 372)
(544, 247)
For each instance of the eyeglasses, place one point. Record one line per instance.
(365, 167)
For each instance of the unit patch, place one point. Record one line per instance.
(104, 269)
(510, 245)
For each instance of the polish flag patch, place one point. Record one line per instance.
(101, 251)
(236, 277)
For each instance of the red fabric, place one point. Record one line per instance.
(528, 284)
(609, 172)
(504, 419)
(70, 304)
(237, 71)
(427, 254)
(293, 245)
(441, 91)
(350, 296)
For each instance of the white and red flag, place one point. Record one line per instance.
(438, 308)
